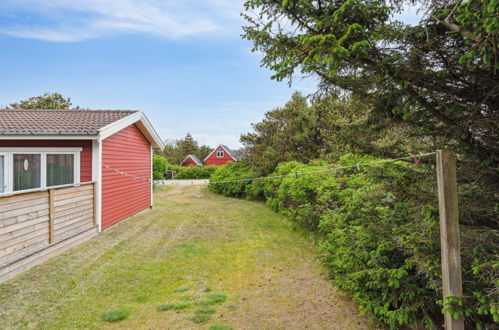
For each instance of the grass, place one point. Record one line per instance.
(115, 315)
(200, 318)
(213, 299)
(260, 269)
(206, 310)
(220, 327)
(175, 307)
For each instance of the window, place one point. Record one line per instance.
(220, 153)
(2, 174)
(60, 169)
(25, 169)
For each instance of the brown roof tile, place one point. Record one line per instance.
(64, 122)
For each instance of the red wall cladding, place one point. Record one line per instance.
(189, 162)
(85, 155)
(214, 160)
(128, 152)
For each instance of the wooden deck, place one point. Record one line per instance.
(39, 225)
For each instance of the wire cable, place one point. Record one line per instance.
(332, 169)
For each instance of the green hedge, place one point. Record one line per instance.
(192, 172)
(378, 235)
(161, 166)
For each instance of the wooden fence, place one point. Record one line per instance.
(36, 226)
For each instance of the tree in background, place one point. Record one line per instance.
(176, 150)
(187, 145)
(45, 101)
(326, 128)
(288, 133)
(204, 151)
(439, 76)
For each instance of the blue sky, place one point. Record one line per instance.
(181, 62)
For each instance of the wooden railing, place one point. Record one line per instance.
(37, 225)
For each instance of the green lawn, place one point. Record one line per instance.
(195, 261)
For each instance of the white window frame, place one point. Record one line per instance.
(5, 167)
(43, 152)
(220, 153)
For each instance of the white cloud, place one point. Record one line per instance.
(76, 20)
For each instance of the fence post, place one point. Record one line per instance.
(95, 202)
(449, 232)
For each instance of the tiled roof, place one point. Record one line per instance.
(195, 159)
(63, 122)
(233, 153)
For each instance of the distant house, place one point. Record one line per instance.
(65, 175)
(221, 155)
(191, 160)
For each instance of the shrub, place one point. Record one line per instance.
(378, 232)
(191, 172)
(159, 167)
(195, 172)
(236, 172)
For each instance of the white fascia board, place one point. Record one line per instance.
(97, 149)
(158, 143)
(190, 156)
(117, 126)
(204, 160)
(48, 137)
(152, 179)
(234, 158)
(220, 146)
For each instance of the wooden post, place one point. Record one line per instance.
(449, 232)
(51, 215)
(95, 203)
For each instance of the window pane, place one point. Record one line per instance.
(2, 174)
(26, 172)
(60, 170)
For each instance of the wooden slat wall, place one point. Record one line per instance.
(73, 211)
(32, 224)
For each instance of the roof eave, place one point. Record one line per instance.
(224, 148)
(46, 136)
(146, 127)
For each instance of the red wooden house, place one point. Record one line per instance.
(67, 174)
(70, 147)
(191, 160)
(221, 155)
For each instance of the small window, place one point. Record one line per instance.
(220, 153)
(27, 171)
(60, 169)
(2, 174)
